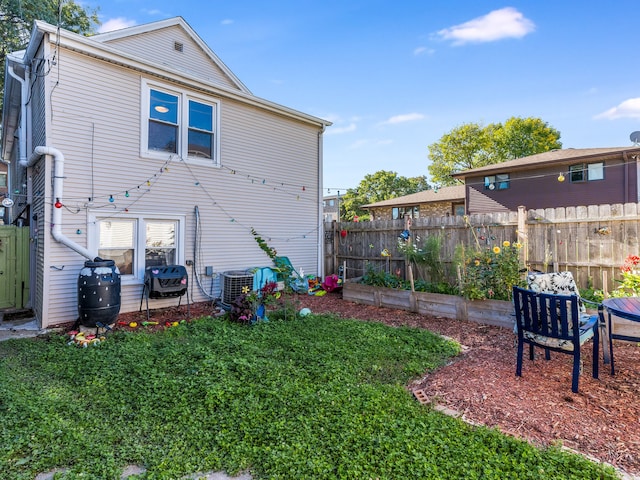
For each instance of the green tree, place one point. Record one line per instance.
(471, 146)
(382, 185)
(17, 17)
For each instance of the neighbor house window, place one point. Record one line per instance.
(398, 213)
(3, 179)
(586, 172)
(177, 122)
(497, 182)
(458, 209)
(137, 242)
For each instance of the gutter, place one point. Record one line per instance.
(58, 181)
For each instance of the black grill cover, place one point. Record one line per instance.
(167, 281)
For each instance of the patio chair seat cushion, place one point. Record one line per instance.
(566, 345)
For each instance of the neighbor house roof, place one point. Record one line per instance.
(564, 156)
(444, 194)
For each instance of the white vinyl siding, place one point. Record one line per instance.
(161, 44)
(95, 121)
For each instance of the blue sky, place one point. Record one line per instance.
(395, 76)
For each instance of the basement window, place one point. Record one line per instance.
(135, 242)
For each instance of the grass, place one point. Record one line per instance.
(318, 397)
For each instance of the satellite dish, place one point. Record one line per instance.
(635, 137)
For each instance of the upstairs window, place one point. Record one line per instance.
(496, 182)
(178, 123)
(586, 172)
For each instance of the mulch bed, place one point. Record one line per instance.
(601, 421)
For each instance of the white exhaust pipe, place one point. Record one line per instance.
(58, 182)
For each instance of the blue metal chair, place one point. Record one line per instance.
(553, 322)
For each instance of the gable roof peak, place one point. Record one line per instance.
(166, 23)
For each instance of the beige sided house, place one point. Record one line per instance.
(441, 202)
(141, 146)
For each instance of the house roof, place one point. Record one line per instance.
(559, 157)
(98, 46)
(171, 22)
(444, 194)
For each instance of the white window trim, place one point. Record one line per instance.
(183, 124)
(137, 278)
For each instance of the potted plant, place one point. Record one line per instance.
(251, 305)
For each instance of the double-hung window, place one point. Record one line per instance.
(136, 242)
(179, 123)
(398, 213)
(497, 182)
(586, 172)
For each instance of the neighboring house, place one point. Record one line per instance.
(444, 201)
(331, 207)
(141, 146)
(558, 178)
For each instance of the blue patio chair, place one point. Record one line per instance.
(562, 283)
(553, 322)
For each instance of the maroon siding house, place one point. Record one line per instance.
(559, 178)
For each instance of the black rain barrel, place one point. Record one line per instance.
(98, 293)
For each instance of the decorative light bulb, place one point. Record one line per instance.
(148, 183)
(58, 203)
(126, 194)
(561, 177)
(111, 199)
(79, 232)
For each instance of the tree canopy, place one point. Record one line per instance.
(471, 146)
(16, 21)
(382, 185)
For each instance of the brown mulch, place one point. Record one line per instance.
(601, 421)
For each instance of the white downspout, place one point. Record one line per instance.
(58, 182)
(24, 94)
(321, 210)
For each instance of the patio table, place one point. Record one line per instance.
(627, 308)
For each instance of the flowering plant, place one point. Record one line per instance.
(630, 283)
(250, 305)
(490, 273)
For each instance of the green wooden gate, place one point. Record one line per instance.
(14, 266)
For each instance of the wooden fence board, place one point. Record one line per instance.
(586, 240)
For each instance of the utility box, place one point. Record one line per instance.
(232, 284)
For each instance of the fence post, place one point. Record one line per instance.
(522, 235)
(336, 245)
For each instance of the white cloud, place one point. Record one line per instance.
(628, 109)
(496, 25)
(226, 21)
(338, 130)
(423, 51)
(365, 142)
(407, 117)
(116, 24)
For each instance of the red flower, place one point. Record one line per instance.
(630, 263)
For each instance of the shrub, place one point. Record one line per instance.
(490, 273)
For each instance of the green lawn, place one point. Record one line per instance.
(312, 398)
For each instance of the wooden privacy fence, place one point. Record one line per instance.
(590, 241)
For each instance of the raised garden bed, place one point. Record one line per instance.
(489, 312)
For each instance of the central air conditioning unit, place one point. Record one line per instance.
(233, 283)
